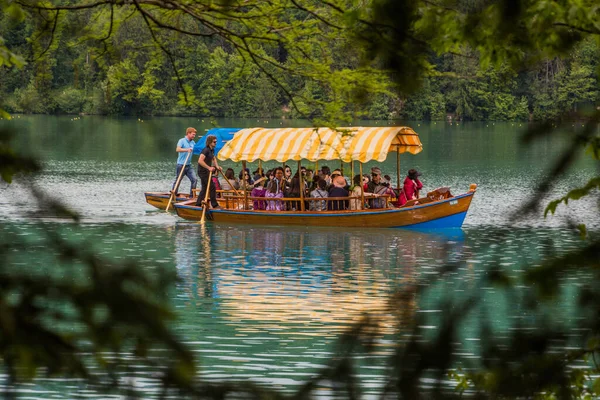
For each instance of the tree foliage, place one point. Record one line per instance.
(329, 61)
(339, 58)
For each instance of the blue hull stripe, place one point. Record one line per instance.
(451, 221)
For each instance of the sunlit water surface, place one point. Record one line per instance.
(266, 304)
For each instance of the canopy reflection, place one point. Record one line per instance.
(307, 282)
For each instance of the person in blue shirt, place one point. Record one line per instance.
(185, 146)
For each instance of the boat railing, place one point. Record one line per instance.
(240, 200)
(232, 201)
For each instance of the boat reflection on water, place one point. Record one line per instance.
(309, 281)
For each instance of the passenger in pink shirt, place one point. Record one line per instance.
(412, 185)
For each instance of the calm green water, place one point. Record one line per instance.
(265, 304)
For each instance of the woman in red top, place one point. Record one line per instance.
(412, 185)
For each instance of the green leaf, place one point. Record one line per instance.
(574, 194)
(593, 342)
(12, 10)
(596, 386)
(582, 231)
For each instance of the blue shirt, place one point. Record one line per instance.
(184, 144)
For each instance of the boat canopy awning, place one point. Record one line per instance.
(346, 144)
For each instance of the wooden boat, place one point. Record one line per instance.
(438, 209)
(427, 214)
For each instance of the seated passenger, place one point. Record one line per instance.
(275, 189)
(378, 188)
(387, 181)
(270, 175)
(246, 181)
(259, 191)
(333, 175)
(335, 172)
(400, 198)
(287, 174)
(309, 176)
(303, 171)
(338, 190)
(356, 192)
(314, 184)
(325, 174)
(232, 183)
(259, 173)
(412, 185)
(319, 193)
(293, 191)
(366, 180)
(216, 183)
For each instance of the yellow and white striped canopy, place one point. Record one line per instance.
(346, 144)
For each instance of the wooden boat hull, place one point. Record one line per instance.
(447, 213)
(161, 199)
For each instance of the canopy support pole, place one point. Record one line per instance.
(317, 167)
(301, 179)
(352, 171)
(245, 185)
(362, 190)
(398, 167)
(260, 167)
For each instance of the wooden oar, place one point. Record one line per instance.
(177, 183)
(228, 181)
(205, 205)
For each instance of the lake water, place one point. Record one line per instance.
(266, 304)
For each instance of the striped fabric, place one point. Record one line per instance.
(346, 144)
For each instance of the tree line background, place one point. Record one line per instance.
(125, 74)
